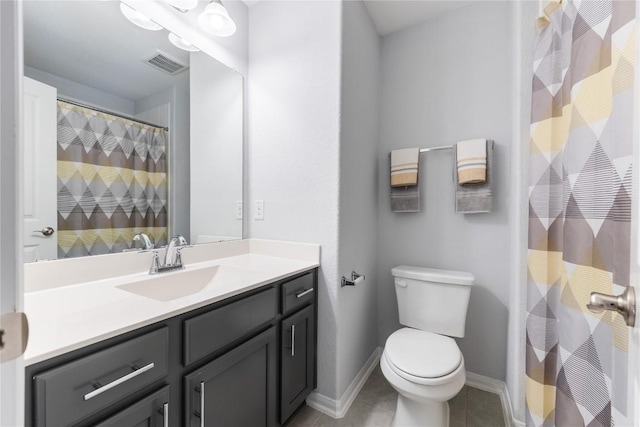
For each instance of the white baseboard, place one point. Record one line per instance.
(500, 388)
(338, 408)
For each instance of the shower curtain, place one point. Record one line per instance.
(580, 211)
(112, 182)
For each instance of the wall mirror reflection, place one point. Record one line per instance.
(124, 133)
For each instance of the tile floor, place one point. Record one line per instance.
(376, 403)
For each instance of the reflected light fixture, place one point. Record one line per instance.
(138, 18)
(181, 43)
(183, 5)
(215, 20)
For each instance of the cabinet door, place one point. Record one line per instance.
(297, 359)
(152, 411)
(236, 390)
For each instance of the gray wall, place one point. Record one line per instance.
(446, 80)
(357, 338)
(293, 150)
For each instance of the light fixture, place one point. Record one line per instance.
(216, 20)
(183, 5)
(181, 43)
(138, 18)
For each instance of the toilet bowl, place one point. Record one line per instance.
(425, 378)
(422, 362)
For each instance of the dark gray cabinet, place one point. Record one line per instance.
(297, 360)
(152, 411)
(237, 389)
(249, 360)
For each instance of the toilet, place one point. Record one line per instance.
(422, 361)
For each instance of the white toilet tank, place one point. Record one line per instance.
(433, 300)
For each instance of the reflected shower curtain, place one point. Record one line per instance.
(580, 212)
(112, 182)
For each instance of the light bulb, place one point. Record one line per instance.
(215, 20)
(138, 18)
(181, 43)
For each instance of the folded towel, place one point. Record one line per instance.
(476, 198)
(471, 162)
(405, 199)
(404, 167)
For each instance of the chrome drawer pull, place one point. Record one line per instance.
(119, 381)
(165, 413)
(301, 294)
(202, 404)
(293, 340)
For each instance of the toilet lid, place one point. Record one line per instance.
(422, 354)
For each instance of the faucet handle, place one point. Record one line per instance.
(179, 254)
(155, 263)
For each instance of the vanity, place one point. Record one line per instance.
(229, 341)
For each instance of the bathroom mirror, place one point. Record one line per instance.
(124, 133)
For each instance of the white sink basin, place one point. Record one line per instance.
(182, 283)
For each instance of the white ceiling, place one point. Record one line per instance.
(393, 15)
(91, 43)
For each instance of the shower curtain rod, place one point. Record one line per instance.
(91, 107)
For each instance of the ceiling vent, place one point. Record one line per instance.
(165, 63)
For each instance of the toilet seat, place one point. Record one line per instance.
(422, 357)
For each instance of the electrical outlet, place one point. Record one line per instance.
(259, 211)
(239, 209)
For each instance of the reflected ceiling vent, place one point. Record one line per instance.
(165, 63)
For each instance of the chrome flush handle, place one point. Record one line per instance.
(625, 304)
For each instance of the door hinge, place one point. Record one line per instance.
(14, 334)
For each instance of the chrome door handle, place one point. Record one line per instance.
(293, 340)
(119, 381)
(301, 294)
(46, 231)
(165, 414)
(625, 304)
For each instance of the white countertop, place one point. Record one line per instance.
(66, 318)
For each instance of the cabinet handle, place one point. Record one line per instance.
(119, 381)
(202, 404)
(165, 413)
(293, 340)
(301, 294)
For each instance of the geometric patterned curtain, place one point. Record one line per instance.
(112, 182)
(579, 212)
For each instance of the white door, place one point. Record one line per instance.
(40, 154)
(11, 371)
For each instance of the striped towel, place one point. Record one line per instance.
(471, 158)
(404, 167)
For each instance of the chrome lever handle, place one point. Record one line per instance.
(625, 304)
(46, 231)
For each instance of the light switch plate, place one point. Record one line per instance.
(239, 209)
(259, 211)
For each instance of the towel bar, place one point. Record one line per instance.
(443, 147)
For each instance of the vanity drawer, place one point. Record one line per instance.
(212, 331)
(76, 390)
(297, 293)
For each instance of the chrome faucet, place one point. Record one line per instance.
(146, 242)
(176, 241)
(170, 263)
